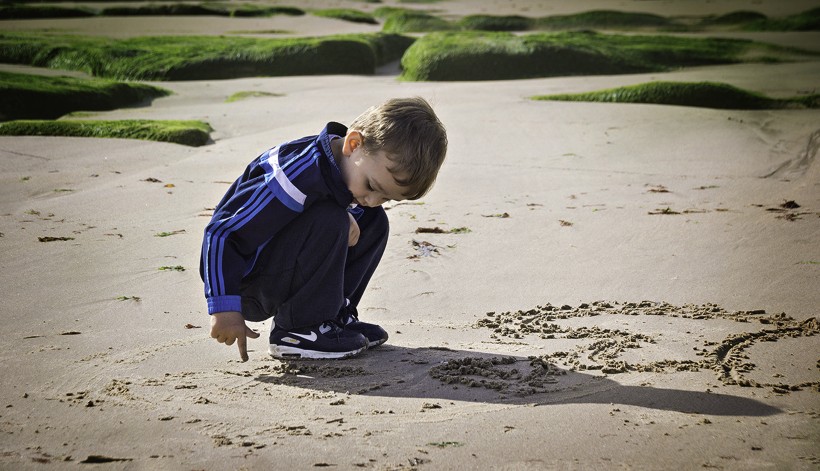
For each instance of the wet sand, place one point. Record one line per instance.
(611, 286)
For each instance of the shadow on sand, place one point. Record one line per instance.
(445, 374)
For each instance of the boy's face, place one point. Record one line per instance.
(367, 176)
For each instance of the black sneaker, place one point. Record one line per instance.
(325, 341)
(349, 319)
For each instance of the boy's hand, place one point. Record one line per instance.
(353, 235)
(229, 327)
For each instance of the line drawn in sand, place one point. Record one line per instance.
(727, 357)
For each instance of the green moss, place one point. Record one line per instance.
(403, 20)
(386, 47)
(243, 95)
(753, 21)
(606, 19)
(199, 57)
(38, 97)
(79, 114)
(496, 23)
(805, 21)
(260, 31)
(21, 12)
(384, 12)
(354, 16)
(262, 11)
(699, 94)
(805, 101)
(408, 21)
(498, 56)
(169, 233)
(734, 18)
(172, 9)
(189, 133)
(169, 9)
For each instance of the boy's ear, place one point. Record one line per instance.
(353, 140)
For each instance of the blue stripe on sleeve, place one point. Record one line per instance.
(219, 234)
(284, 197)
(294, 171)
(297, 157)
(283, 190)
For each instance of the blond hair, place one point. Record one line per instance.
(411, 136)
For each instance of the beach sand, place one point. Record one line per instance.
(633, 290)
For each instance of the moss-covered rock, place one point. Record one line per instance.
(202, 57)
(754, 21)
(387, 47)
(24, 12)
(354, 16)
(806, 21)
(189, 133)
(262, 11)
(408, 21)
(24, 96)
(697, 94)
(734, 18)
(384, 12)
(496, 23)
(498, 56)
(21, 11)
(168, 9)
(603, 19)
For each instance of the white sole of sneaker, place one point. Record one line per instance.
(292, 353)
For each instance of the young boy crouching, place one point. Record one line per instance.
(299, 234)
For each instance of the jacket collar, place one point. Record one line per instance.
(333, 130)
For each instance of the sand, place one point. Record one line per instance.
(633, 289)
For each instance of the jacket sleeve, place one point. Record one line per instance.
(255, 209)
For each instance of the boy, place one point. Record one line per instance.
(299, 234)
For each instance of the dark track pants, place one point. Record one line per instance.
(303, 275)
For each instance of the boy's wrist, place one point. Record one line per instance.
(224, 304)
(227, 315)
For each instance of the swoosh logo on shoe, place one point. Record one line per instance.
(310, 338)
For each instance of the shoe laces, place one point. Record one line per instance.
(330, 326)
(348, 317)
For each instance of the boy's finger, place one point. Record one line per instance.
(242, 343)
(251, 333)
